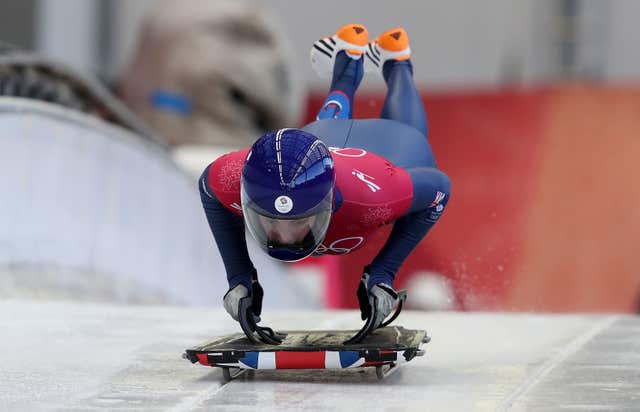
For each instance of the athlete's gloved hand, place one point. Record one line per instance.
(232, 298)
(380, 300)
(245, 306)
(383, 299)
(376, 304)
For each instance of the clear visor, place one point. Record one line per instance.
(288, 239)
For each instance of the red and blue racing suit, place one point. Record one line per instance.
(385, 174)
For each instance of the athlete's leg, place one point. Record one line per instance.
(403, 102)
(347, 75)
(343, 53)
(390, 53)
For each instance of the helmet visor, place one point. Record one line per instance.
(288, 239)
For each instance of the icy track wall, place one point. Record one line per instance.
(545, 206)
(90, 208)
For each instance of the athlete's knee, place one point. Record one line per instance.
(431, 188)
(443, 183)
(441, 193)
(441, 190)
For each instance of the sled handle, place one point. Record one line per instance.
(368, 326)
(402, 296)
(366, 329)
(249, 326)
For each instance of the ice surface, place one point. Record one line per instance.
(86, 356)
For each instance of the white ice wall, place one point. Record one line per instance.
(86, 206)
(79, 194)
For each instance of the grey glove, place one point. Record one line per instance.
(376, 304)
(384, 298)
(232, 300)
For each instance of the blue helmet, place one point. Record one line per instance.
(286, 190)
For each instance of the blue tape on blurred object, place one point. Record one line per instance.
(171, 102)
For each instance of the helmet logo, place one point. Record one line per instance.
(284, 204)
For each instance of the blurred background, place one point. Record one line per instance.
(110, 110)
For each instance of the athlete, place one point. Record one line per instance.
(327, 187)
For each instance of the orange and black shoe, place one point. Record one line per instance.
(392, 44)
(352, 38)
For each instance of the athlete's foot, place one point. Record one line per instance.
(391, 45)
(352, 38)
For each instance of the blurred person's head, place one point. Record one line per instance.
(211, 72)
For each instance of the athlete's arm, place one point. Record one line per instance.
(228, 231)
(431, 190)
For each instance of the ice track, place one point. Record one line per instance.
(87, 356)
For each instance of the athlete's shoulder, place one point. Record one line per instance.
(224, 176)
(225, 172)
